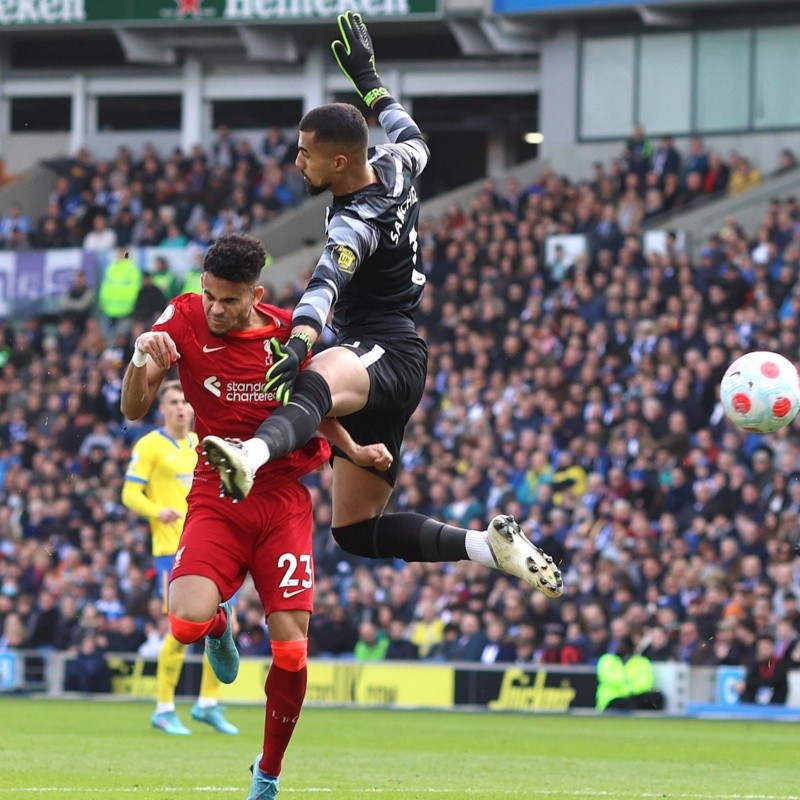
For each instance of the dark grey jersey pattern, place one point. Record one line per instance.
(369, 271)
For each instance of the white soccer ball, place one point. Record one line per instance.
(760, 392)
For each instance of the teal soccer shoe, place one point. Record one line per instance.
(215, 717)
(263, 787)
(222, 652)
(168, 722)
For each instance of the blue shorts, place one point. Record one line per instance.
(163, 574)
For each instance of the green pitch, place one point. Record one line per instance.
(88, 749)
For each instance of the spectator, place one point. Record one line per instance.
(498, 648)
(119, 289)
(696, 161)
(787, 161)
(766, 681)
(743, 175)
(101, 238)
(428, 629)
(399, 647)
(666, 159)
(150, 301)
(15, 229)
(625, 682)
(638, 153)
(372, 644)
(87, 671)
(717, 176)
(77, 302)
(162, 277)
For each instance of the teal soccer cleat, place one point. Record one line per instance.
(215, 717)
(222, 652)
(168, 722)
(263, 786)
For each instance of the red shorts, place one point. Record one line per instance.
(267, 534)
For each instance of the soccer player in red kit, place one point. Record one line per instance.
(220, 341)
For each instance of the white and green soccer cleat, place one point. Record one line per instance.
(229, 459)
(516, 555)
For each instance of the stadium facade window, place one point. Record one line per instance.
(242, 114)
(160, 112)
(723, 80)
(777, 77)
(665, 83)
(40, 114)
(607, 86)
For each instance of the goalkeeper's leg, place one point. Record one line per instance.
(360, 527)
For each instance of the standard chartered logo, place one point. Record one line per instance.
(238, 391)
(213, 384)
(241, 392)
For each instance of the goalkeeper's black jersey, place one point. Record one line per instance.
(369, 271)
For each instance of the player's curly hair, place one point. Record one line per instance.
(235, 257)
(340, 123)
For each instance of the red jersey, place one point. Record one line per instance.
(223, 380)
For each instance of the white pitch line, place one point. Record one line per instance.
(400, 790)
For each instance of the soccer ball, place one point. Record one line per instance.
(760, 392)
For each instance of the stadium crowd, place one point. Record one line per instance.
(178, 200)
(579, 395)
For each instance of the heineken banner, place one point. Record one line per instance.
(74, 12)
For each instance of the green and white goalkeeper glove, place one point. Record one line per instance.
(286, 362)
(356, 58)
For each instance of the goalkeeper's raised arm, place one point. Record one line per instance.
(355, 56)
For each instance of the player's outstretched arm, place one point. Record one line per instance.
(355, 56)
(153, 355)
(376, 456)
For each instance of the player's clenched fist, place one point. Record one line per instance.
(159, 346)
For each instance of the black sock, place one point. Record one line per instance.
(406, 535)
(290, 427)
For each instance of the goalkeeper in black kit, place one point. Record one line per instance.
(373, 378)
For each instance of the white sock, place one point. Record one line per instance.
(257, 453)
(163, 707)
(206, 702)
(478, 549)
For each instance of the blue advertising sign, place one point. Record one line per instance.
(9, 671)
(554, 6)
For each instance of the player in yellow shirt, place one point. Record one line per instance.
(157, 482)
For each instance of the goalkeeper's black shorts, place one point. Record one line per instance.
(397, 371)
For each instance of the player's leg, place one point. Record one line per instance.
(361, 528)
(197, 612)
(336, 383)
(210, 567)
(285, 688)
(170, 663)
(283, 573)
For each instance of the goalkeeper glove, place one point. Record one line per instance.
(286, 361)
(354, 54)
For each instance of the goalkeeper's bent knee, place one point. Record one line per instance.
(358, 539)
